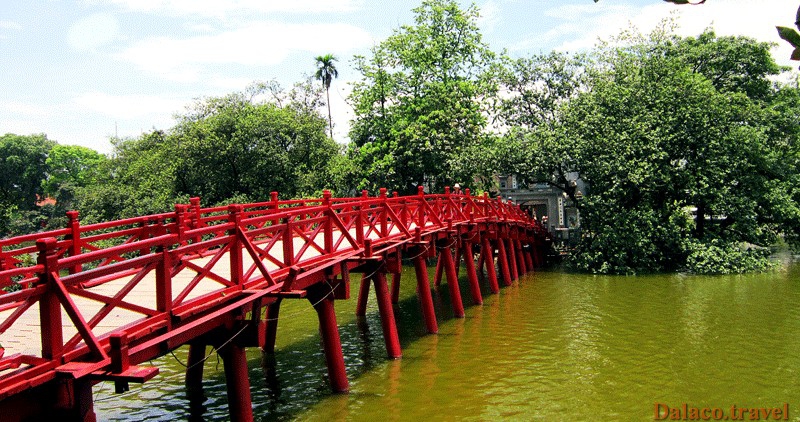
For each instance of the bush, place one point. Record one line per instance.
(717, 257)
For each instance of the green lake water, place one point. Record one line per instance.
(553, 346)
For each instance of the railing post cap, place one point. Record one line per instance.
(466, 191)
(383, 192)
(420, 190)
(235, 208)
(46, 244)
(195, 200)
(72, 215)
(447, 190)
(326, 194)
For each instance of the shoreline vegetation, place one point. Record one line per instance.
(688, 145)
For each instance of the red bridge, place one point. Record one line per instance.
(101, 299)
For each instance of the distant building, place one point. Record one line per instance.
(550, 206)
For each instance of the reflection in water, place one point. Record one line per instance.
(553, 347)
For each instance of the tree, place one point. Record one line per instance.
(23, 166)
(419, 103)
(239, 145)
(326, 71)
(678, 155)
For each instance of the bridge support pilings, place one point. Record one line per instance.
(523, 267)
(396, 288)
(437, 278)
(472, 275)
(194, 377)
(511, 253)
(488, 259)
(271, 327)
(331, 343)
(528, 256)
(452, 281)
(502, 259)
(388, 323)
(424, 293)
(234, 359)
(363, 294)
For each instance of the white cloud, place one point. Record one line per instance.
(18, 108)
(219, 8)
(127, 107)
(582, 25)
(93, 31)
(10, 25)
(490, 16)
(265, 44)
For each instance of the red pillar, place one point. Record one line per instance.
(503, 261)
(240, 405)
(520, 258)
(528, 257)
(395, 288)
(452, 282)
(424, 292)
(387, 316)
(486, 250)
(511, 252)
(472, 275)
(437, 279)
(194, 375)
(271, 328)
(363, 294)
(331, 343)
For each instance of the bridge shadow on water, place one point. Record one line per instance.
(295, 377)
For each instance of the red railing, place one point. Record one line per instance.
(250, 254)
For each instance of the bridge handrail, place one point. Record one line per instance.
(77, 258)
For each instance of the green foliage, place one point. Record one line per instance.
(717, 257)
(417, 105)
(665, 129)
(23, 166)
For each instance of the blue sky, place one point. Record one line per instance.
(82, 71)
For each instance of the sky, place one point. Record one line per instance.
(84, 71)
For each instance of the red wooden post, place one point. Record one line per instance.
(328, 229)
(424, 293)
(421, 207)
(387, 316)
(512, 258)
(331, 342)
(75, 246)
(437, 278)
(271, 328)
(194, 375)
(396, 288)
(235, 252)
(363, 294)
(164, 280)
(234, 360)
(487, 253)
(452, 283)
(196, 216)
(384, 218)
(523, 268)
(288, 242)
(472, 275)
(528, 257)
(502, 259)
(49, 306)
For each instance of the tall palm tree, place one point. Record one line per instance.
(326, 71)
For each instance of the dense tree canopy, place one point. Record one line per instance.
(677, 144)
(418, 104)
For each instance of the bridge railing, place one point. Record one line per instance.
(262, 242)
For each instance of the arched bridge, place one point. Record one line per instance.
(90, 303)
